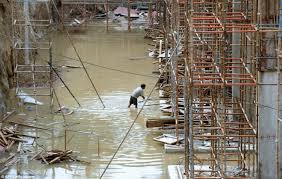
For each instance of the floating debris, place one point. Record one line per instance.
(65, 110)
(26, 98)
(56, 156)
(76, 22)
(168, 139)
(123, 11)
(7, 162)
(8, 137)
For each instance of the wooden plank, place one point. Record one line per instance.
(19, 147)
(38, 153)
(7, 116)
(4, 138)
(2, 142)
(43, 158)
(17, 139)
(9, 158)
(10, 145)
(3, 170)
(55, 159)
(27, 125)
(159, 122)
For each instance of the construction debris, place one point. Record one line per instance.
(56, 156)
(26, 98)
(7, 162)
(160, 121)
(168, 139)
(8, 114)
(9, 137)
(71, 66)
(65, 110)
(123, 11)
(77, 23)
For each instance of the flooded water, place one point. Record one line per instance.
(95, 133)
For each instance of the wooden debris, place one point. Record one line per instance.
(54, 156)
(10, 145)
(73, 66)
(64, 110)
(28, 125)
(19, 147)
(6, 163)
(81, 161)
(43, 159)
(160, 122)
(8, 137)
(36, 155)
(4, 138)
(7, 115)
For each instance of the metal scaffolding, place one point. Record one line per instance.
(32, 50)
(222, 84)
(213, 78)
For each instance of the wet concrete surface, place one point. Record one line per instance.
(96, 132)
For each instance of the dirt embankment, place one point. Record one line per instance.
(6, 64)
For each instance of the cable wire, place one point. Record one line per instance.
(138, 114)
(77, 54)
(108, 68)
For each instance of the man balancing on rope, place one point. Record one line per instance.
(139, 91)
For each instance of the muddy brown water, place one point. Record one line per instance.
(139, 156)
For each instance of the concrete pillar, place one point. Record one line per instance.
(236, 51)
(268, 125)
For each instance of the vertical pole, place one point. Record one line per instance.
(186, 96)
(255, 73)
(64, 117)
(51, 80)
(15, 60)
(190, 98)
(107, 14)
(98, 146)
(186, 117)
(65, 139)
(150, 14)
(62, 14)
(278, 93)
(128, 16)
(26, 29)
(95, 11)
(257, 52)
(85, 14)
